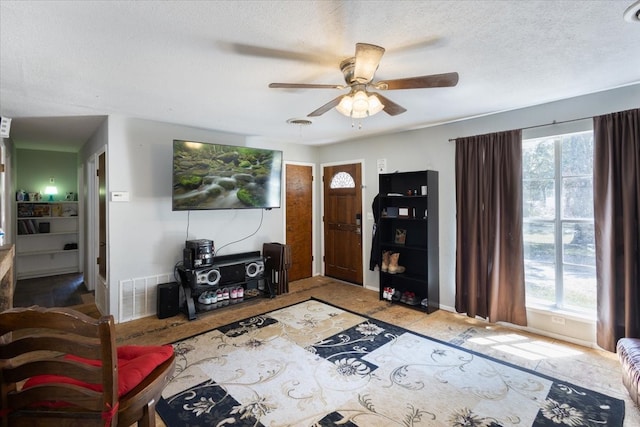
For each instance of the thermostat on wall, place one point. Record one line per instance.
(119, 196)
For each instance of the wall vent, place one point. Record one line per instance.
(138, 297)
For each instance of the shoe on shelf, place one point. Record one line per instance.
(206, 298)
(396, 295)
(390, 292)
(385, 261)
(403, 298)
(234, 293)
(394, 268)
(412, 299)
(240, 292)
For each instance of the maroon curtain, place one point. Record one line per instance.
(489, 248)
(616, 197)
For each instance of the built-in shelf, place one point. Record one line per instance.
(44, 229)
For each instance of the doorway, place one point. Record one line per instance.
(96, 229)
(342, 222)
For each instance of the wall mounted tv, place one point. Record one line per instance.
(216, 176)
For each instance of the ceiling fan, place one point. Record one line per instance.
(358, 74)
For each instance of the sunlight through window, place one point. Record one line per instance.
(522, 346)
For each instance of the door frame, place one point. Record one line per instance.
(314, 217)
(101, 288)
(90, 268)
(365, 232)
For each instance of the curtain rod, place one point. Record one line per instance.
(538, 126)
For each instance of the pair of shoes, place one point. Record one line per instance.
(236, 293)
(393, 264)
(387, 293)
(412, 299)
(409, 298)
(208, 297)
(251, 292)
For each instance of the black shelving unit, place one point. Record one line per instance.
(409, 202)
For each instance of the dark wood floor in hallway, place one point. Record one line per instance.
(63, 290)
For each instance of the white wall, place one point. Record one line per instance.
(146, 237)
(429, 148)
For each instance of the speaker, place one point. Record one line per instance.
(168, 300)
(208, 276)
(254, 269)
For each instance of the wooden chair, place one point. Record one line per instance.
(277, 263)
(60, 367)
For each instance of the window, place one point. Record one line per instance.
(559, 246)
(342, 180)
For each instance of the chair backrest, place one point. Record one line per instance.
(45, 341)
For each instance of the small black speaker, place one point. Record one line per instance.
(168, 300)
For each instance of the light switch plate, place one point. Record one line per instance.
(119, 196)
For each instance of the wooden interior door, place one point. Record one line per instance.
(102, 218)
(342, 188)
(299, 214)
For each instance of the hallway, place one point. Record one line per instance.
(52, 291)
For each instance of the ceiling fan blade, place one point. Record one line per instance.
(304, 86)
(434, 80)
(316, 57)
(367, 60)
(326, 107)
(390, 107)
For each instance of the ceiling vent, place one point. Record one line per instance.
(300, 122)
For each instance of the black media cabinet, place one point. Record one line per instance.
(228, 272)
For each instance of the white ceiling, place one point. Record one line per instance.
(208, 64)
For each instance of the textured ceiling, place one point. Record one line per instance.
(208, 63)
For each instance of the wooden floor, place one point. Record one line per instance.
(63, 290)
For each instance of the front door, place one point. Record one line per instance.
(343, 222)
(299, 213)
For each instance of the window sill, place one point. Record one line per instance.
(570, 315)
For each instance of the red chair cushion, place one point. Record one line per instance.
(134, 364)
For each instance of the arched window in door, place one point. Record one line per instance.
(342, 180)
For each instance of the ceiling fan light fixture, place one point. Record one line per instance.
(375, 106)
(359, 105)
(345, 106)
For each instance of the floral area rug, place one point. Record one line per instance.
(314, 364)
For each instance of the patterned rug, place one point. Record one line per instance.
(314, 364)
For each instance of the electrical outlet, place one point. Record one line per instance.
(557, 320)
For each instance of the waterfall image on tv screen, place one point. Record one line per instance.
(217, 176)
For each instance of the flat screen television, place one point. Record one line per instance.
(217, 176)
